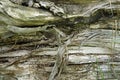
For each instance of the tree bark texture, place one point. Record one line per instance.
(81, 41)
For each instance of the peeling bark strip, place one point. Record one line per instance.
(21, 31)
(15, 15)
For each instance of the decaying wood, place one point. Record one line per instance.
(77, 56)
(31, 38)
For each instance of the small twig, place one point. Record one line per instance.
(60, 61)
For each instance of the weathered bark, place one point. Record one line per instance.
(30, 38)
(78, 58)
